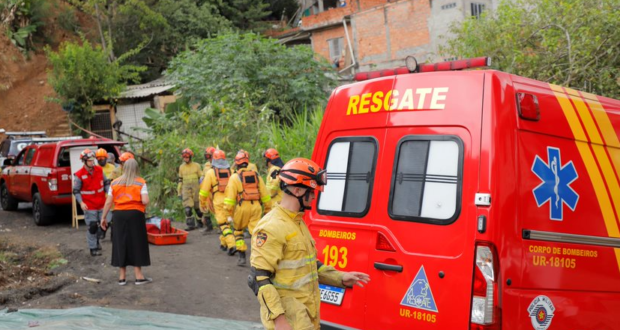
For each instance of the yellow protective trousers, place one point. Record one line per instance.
(246, 216)
(190, 191)
(226, 237)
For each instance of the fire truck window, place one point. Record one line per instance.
(426, 180)
(350, 174)
(29, 156)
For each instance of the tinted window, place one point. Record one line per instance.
(17, 146)
(427, 179)
(350, 173)
(20, 159)
(29, 155)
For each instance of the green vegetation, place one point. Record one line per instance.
(570, 42)
(82, 75)
(21, 20)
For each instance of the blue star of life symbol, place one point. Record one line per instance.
(555, 187)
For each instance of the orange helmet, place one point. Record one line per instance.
(219, 154)
(247, 154)
(242, 157)
(210, 150)
(303, 172)
(187, 151)
(124, 156)
(86, 155)
(271, 154)
(101, 153)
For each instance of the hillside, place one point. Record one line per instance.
(23, 81)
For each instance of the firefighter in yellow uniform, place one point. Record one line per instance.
(188, 188)
(212, 198)
(274, 164)
(251, 166)
(102, 160)
(206, 215)
(285, 272)
(244, 194)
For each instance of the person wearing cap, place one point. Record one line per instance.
(285, 272)
(102, 160)
(274, 164)
(245, 193)
(89, 187)
(188, 188)
(212, 192)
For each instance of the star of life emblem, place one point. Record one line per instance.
(556, 180)
(541, 311)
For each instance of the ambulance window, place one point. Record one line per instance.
(350, 173)
(426, 181)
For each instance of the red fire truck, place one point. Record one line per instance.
(474, 199)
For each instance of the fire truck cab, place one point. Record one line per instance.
(474, 199)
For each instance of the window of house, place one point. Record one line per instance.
(427, 179)
(448, 6)
(350, 175)
(335, 48)
(477, 9)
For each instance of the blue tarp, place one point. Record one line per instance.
(100, 318)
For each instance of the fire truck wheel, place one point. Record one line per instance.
(7, 201)
(43, 214)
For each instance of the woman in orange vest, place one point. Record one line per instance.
(130, 246)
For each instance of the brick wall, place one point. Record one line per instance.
(319, 40)
(328, 17)
(384, 36)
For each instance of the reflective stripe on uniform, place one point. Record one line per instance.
(229, 201)
(265, 199)
(292, 264)
(91, 192)
(203, 193)
(297, 284)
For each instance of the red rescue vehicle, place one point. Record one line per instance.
(474, 199)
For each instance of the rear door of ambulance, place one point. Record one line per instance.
(569, 212)
(399, 204)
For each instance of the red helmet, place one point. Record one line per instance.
(101, 153)
(303, 172)
(242, 157)
(124, 156)
(219, 154)
(210, 150)
(271, 154)
(187, 151)
(247, 154)
(86, 155)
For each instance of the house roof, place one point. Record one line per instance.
(151, 88)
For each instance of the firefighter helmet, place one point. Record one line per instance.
(302, 172)
(271, 154)
(124, 156)
(187, 151)
(210, 150)
(242, 157)
(101, 153)
(87, 154)
(219, 154)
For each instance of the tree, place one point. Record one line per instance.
(246, 70)
(244, 14)
(82, 75)
(568, 42)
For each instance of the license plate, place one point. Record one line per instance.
(331, 294)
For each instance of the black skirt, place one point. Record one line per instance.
(130, 246)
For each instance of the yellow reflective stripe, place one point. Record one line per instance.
(265, 199)
(227, 232)
(586, 118)
(289, 236)
(322, 268)
(596, 177)
(203, 193)
(229, 201)
(292, 264)
(602, 120)
(240, 242)
(297, 284)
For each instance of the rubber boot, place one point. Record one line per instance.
(94, 252)
(232, 251)
(241, 261)
(191, 223)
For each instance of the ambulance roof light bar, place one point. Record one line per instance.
(412, 66)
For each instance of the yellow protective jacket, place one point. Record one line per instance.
(108, 169)
(209, 192)
(206, 168)
(283, 246)
(189, 173)
(235, 189)
(116, 173)
(251, 167)
(273, 185)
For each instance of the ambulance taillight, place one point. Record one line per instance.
(485, 311)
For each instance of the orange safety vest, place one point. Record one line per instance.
(249, 181)
(128, 197)
(222, 179)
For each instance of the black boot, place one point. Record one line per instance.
(241, 261)
(94, 252)
(223, 248)
(191, 223)
(232, 251)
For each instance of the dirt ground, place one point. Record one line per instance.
(195, 278)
